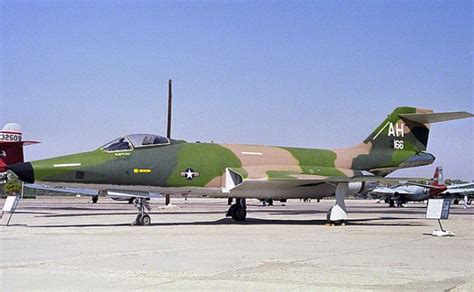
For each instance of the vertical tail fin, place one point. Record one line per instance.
(401, 139)
(11, 145)
(11, 153)
(438, 178)
(407, 128)
(398, 133)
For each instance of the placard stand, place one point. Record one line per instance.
(439, 209)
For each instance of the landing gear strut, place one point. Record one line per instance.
(142, 217)
(238, 211)
(337, 214)
(391, 203)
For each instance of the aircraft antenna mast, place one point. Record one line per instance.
(168, 126)
(170, 97)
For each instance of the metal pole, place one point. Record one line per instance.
(441, 226)
(168, 126)
(9, 218)
(170, 97)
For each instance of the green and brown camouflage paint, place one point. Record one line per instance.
(391, 144)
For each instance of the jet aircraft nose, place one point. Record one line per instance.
(24, 171)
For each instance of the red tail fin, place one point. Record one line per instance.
(11, 145)
(11, 153)
(3, 166)
(438, 179)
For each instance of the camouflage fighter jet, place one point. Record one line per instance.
(150, 163)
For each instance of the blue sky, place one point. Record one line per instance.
(301, 73)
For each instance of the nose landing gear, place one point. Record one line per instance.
(142, 217)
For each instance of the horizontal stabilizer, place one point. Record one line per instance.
(428, 118)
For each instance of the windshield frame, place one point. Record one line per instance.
(168, 141)
(132, 147)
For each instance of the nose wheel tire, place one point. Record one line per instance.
(143, 220)
(146, 220)
(142, 217)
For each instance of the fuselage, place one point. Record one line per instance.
(180, 167)
(415, 193)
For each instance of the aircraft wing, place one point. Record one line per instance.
(459, 186)
(71, 191)
(117, 195)
(235, 180)
(459, 191)
(388, 191)
(132, 194)
(426, 186)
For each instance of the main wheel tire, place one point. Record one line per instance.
(95, 199)
(456, 201)
(146, 220)
(138, 220)
(391, 203)
(239, 214)
(231, 211)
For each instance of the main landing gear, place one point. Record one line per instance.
(142, 217)
(238, 211)
(337, 214)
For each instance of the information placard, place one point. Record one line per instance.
(10, 204)
(438, 209)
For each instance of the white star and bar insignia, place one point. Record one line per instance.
(189, 174)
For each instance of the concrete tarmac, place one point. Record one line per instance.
(68, 243)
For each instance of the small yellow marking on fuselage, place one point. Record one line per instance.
(122, 154)
(141, 170)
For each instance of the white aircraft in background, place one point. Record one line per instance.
(460, 191)
(411, 191)
(416, 192)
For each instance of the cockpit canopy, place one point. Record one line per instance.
(130, 142)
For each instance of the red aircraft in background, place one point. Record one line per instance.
(11, 145)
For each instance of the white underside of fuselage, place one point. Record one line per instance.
(312, 192)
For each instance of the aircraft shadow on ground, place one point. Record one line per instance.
(158, 213)
(383, 221)
(133, 213)
(352, 211)
(98, 208)
(276, 212)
